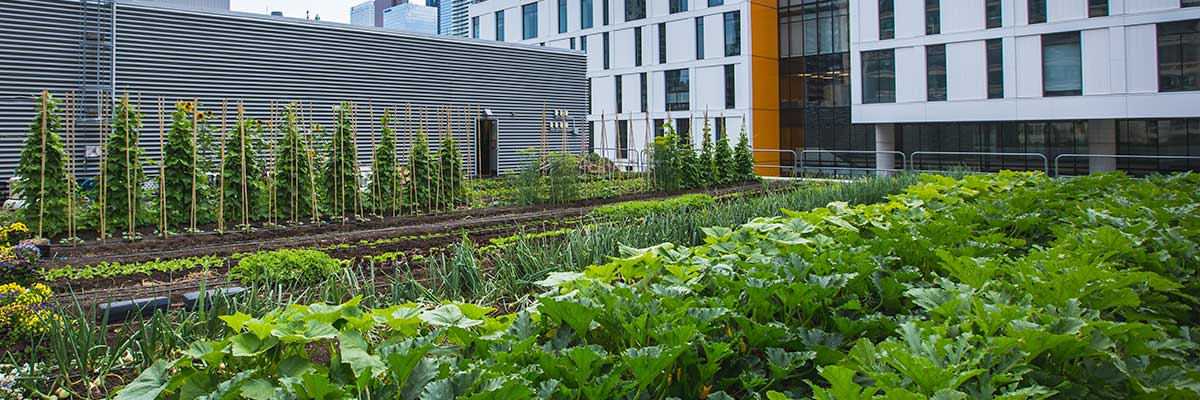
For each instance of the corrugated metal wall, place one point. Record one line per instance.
(62, 46)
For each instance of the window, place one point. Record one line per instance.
(814, 28)
(733, 33)
(887, 19)
(720, 128)
(1179, 56)
(683, 129)
(620, 95)
(935, 72)
(637, 46)
(700, 38)
(604, 13)
(475, 27)
(995, 14)
(583, 43)
(1037, 11)
(678, 6)
(658, 127)
(1097, 8)
(585, 14)
(645, 95)
(715, 3)
(562, 16)
(1062, 68)
(879, 76)
(995, 68)
(730, 87)
(677, 90)
(933, 17)
(622, 139)
(572, 43)
(662, 43)
(529, 28)
(635, 10)
(500, 25)
(606, 47)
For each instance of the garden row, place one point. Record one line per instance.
(1010, 286)
(289, 171)
(71, 351)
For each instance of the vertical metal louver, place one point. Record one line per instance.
(63, 45)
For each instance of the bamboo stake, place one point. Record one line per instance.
(42, 180)
(441, 174)
(428, 176)
(70, 128)
(103, 189)
(295, 197)
(358, 206)
(242, 143)
(195, 142)
(312, 180)
(221, 198)
(395, 167)
(376, 193)
(128, 173)
(272, 174)
(162, 171)
(412, 178)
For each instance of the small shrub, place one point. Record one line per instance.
(23, 311)
(285, 266)
(638, 209)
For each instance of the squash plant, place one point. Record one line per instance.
(339, 175)
(385, 171)
(43, 183)
(244, 200)
(293, 193)
(123, 172)
(419, 191)
(187, 141)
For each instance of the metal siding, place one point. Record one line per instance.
(180, 54)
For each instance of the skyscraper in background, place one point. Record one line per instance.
(370, 12)
(411, 17)
(452, 17)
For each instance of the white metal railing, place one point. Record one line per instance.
(912, 159)
(801, 167)
(781, 166)
(1116, 156)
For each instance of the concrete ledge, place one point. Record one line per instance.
(191, 299)
(123, 310)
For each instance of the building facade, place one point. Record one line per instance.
(1025, 77)
(257, 63)
(452, 17)
(650, 62)
(411, 17)
(192, 4)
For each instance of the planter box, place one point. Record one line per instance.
(192, 299)
(124, 310)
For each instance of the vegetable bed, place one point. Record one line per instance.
(1011, 286)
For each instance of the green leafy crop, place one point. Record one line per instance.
(42, 170)
(285, 266)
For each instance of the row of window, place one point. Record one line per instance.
(682, 126)
(1062, 65)
(677, 89)
(994, 14)
(634, 10)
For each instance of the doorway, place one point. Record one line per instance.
(487, 148)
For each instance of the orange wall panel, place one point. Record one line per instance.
(764, 77)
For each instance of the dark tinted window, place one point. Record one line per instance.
(879, 76)
(887, 19)
(935, 68)
(1062, 67)
(1179, 56)
(995, 68)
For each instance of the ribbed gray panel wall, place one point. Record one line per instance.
(260, 60)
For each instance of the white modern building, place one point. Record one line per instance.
(363, 14)
(452, 17)
(649, 61)
(1051, 77)
(412, 17)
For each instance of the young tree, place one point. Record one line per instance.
(706, 159)
(184, 159)
(723, 159)
(450, 168)
(241, 150)
(339, 175)
(123, 174)
(420, 180)
(688, 166)
(293, 191)
(385, 176)
(744, 158)
(43, 177)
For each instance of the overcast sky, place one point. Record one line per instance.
(330, 10)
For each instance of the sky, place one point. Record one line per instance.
(330, 10)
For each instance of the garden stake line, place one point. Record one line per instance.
(271, 174)
(70, 130)
(221, 196)
(375, 192)
(309, 151)
(42, 181)
(412, 179)
(103, 162)
(162, 171)
(195, 142)
(128, 170)
(358, 206)
(428, 178)
(395, 166)
(242, 134)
